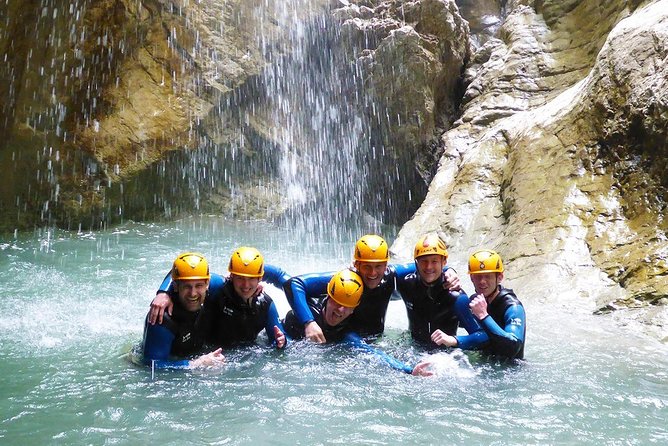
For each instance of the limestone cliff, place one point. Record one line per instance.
(559, 158)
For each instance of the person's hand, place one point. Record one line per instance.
(440, 338)
(279, 336)
(422, 369)
(212, 359)
(478, 306)
(451, 280)
(258, 290)
(159, 304)
(313, 332)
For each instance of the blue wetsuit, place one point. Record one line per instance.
(342, 332)
(160, 338)
(368, 319)
(503, 330)
(431, 307)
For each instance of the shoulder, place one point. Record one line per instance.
(400, 269)
(265, 299)
(166, 329)
(509, 296)
(311, 279)
(216, 281)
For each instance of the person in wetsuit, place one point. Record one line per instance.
(371, 255)
(232, 314)
(497, 309)
(429, 305)
(241, 310)
(178, 336)
(332, 314)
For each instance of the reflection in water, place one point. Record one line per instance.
(73, 306)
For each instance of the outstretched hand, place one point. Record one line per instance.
(422, 369)
(279, 336)
(159, 304)
(212, 359)
(258, 290)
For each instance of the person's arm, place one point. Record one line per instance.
(166, 284)
(509, 340)
(401, 270)
(161, 302)
(275, 275)
(157, 345)
(298, 288)
(354, 340)
(476, 336)
(274, 323)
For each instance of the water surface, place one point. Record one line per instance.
(73, 305)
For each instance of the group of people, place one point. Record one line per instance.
(194, 309)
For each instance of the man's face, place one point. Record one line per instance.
(335, 313)
(430, 267)
(486, 283)
(192, 293)
(371, 272)
(244, 286)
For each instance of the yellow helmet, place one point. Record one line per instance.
(430, 244)
(372, 248)
(247, 262)
(485, 261)
(190, 266)
(345, 288)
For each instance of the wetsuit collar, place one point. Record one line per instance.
(492, 296)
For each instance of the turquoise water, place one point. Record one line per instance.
(73, 306)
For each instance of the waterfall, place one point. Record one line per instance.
(151, 110)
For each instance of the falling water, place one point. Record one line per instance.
(315, 100)
(300, 140)
(308, 136)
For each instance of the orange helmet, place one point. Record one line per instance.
(372, 248)
(345, 288)
(247, 262)
(190, 266)
(485, 261)
(430, 244)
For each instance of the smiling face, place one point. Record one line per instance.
(486, 284)
(430, 267)
(192, 293)
(244, 286)
(336, 313)
(371, 272)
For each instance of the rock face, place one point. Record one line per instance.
(559, 158)
(411, 56)
(100, 98)
(146, 109)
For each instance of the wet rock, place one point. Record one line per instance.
(415, 54)
(97, 95)
(558, 160)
